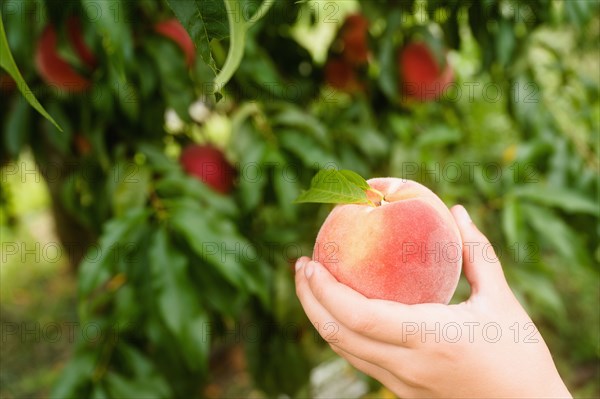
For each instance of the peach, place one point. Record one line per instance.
(422, 77)
(341, 76)
(354, 36)
(405, 248)
(173, 30)
(209, 165)
(53, 69)
(75, 34)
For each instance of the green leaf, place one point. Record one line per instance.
(17, 127)
(261, 74)
(206, 236)
(111, 21)
(512, 220)
(252, 177)
(387, 78)
(126, 305)
(578, 12)
(562, 198)
(132, 186)
(305, 147)
(490, 188)
(542, 292)
(196, 342)
(98, 264)
(176, 185)
(146, 388)
(216, 239)
(123, 91)
(99, 393)
(287, 190)
(557, 233)
(174, 293)
(355, 179)
(215, 294)
(330, 186)
(439, 135)
(141, 365)
(204, 22)
(7, 62)
(505, 42)
(76, 374)
(157, 158)
(370, 141)
(175, 83)
(178, 302)
(61, 139)
(292, 116)
(277, 366)
(203, 19)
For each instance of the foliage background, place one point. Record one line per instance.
(175, 267)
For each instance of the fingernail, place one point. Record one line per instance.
(462, 214)
(299, 263)
(309, 269)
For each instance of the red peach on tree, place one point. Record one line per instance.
(173, 30)
(354, 37)
(341, 76)
(75, 35)
(422, 77)
(208, 164)
(53, 69)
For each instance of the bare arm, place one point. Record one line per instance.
(486, 346)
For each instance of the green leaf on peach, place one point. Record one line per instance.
(330, 186)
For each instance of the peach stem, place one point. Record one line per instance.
(381, 197)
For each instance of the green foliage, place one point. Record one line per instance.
(8, 63)
(205, 21)
(172, 267)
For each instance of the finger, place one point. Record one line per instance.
(405, 379)
(480, 263)
(336, 333)
(389, 380)
(300, 262)
(380, 320)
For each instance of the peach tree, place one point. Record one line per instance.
(175, 135)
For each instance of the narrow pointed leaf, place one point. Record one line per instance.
(7, 63)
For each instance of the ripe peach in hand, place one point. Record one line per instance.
(406, 248)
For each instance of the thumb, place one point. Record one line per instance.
(480, 263)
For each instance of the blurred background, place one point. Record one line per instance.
(147, 249)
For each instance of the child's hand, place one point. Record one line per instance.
(486, 346)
